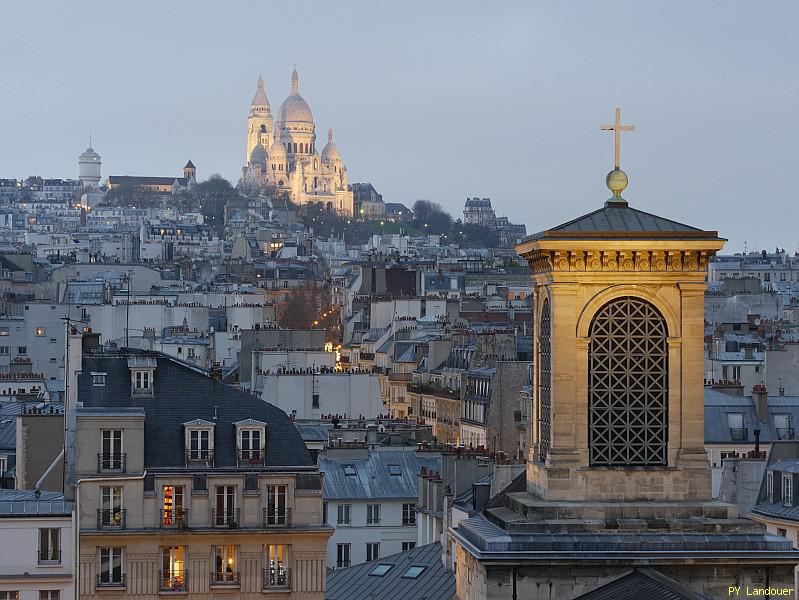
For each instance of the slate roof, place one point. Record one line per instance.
(25, 503)
(719, 405)
(643, 584)
(622, 221)
(135, 180)
(9, 409)
(372, 478)
(356, 583)
(183, 394)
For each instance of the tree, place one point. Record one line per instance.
(213, 194)
(303, 306)
(430, 217)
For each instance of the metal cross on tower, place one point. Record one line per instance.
(618, 128)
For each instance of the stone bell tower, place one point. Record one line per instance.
(619, 339)
(617, 501)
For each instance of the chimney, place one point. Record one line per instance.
(760, 398)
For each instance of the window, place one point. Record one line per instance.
(111, 512)
(380, 570)
(770, 486)
(787, 490)
(250, 442)
(98, 378)
(394, 470)
(9, 595)
(111, 457)
(545, 382)
(276, 512)
(173, 569)
(172, 513)
(735, 421)
(50, 595)
(409, 514)
(141, 381)
(225, 511)
(372, 514)
(22, 350)
(414, 572)
(344, 514)
(628, 385)
(40, 332)
(372, 551)
(3, 465)
(277, 572)
(5, 350)
(343, 555)
(349, 470)
(199, 444)
(408, 546)
(226, 565)
(783, 427)
(49, 545)
(110, 567)
(782, 532)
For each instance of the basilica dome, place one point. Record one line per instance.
(330, 151)
(258, 155)
(295, 108)
(277, 151)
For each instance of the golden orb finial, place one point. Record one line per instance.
(617, 182)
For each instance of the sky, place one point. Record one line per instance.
(440, 100)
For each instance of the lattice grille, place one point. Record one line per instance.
(628, 385)
(545, 382)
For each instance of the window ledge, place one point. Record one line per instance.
(173, 592)
(226, 586)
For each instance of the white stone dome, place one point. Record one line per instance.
(295, 108)
(330, 151)
(277, 151)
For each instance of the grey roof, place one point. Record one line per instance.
(622, 219)
(313, 433)
(719, 405)
(183, 394)
(372, 478)
(643, 584)
(25, 503)
(786, 465)
(434, 583)
(9, 409)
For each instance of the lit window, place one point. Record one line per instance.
(225, 571)
(277, 573)
(414, 572)
(173, 569)
(40, 332)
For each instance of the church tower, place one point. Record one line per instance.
(616, 500)
(259, 123)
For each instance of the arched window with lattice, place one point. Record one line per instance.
(544, 360)
(628, 385)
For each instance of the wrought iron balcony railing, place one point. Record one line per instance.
(174, 518)
(277, 517)
(277, 578)
(200, 457)
(113, 518)
(51, 555)
(111, 579)
(251, 457)
(738, 434)
(174, 581)
(225, 578)
(111, 461)
(225, 518)
(785, 433)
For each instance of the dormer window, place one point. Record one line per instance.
(770, 486)
(251, 442)
(787, 489)
(142, 375)
(199, 442)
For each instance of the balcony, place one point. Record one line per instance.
(113, 518)
(50, 557)
(173, 581)
(111, 461)
(738, 434)
(174, 518)
(225, 578)
(199, 458)
(111, 580)
(785, 433)
(276, 518)
(277, 578)
(228, 518)
(251, 458)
